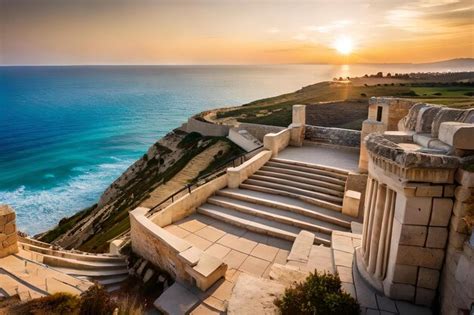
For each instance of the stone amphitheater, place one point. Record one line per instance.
(388, 208)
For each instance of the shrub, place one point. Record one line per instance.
(320, 293)
(96, 301)
(55, 304)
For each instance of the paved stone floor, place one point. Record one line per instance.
(28, 279)
(347, 159)
(243, 251)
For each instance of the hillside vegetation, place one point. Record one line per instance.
(450, 90)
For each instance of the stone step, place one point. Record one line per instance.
(314, 201)
(312, 165)
(257, 224)
(296, 182)
(301, 179)
(71, 255)
(283, 170)
(295, 190)
(107, 280)
(306, 169)
(56, 261)
(288, 204)
(276, 215)
(91, 274)
(32, 241)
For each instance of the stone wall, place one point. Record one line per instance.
(406, 222)
(457, 278)
(237, 175)
(259, 131)
(335, 136)
(8, 236)
(206, 129)
(275, 142)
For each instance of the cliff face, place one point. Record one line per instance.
(92, 229)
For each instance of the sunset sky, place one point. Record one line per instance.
(234, 32)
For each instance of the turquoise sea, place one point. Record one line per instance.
(67, 132)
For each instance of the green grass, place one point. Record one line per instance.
(65, 225)
(280, 106)
(118, 222)
(444, 91)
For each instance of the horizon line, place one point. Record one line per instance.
(233, 64)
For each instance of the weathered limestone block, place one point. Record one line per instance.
(429, 191)
(8, 236)
(445, 114)
(420, 256)
(299, 114)
(441, 213)
(413, 210)
(425, 118)
(465, 178)
(425, 296)
(401, 291)
(297, 132)
(428, 278)
(350, 204)
(458, 135)
(449, 190)
(437, 237)
(464, 194)
(408, 123)
(412, 234)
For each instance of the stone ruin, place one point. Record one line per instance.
(8, 236)
(415, 239)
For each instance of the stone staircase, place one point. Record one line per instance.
(105, 269)
(283, 198)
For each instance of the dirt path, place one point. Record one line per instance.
(189, 172)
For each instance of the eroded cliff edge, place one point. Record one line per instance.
(92, 228)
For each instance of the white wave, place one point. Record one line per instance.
(38, 210)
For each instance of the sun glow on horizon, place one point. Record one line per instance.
(344, 45)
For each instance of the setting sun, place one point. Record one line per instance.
(344, 45)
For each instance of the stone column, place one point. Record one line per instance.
(297, 127)
(299, 114)
(368, 126)
(8, 236)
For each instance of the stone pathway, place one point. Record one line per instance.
(342, 158)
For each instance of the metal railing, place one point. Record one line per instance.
(203, 179)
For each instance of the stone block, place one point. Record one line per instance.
(456, 239)
(461, 209)
(441, 213)
(465, 178)
(464, 194)
(420, 256)
(458, 135)
(399, 291)
(412, 234)
(9, 228)
(429, 191)
(425, 296)
(448, 190)
(404, 274)
(413, 210)
(350, 204)
(458, 224)
(437, 237)
(299, 114)
(428, 278)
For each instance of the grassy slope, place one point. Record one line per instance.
(119, 222)
(280, 106)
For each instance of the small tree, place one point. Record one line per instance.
(319, 294)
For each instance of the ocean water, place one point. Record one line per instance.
(67, 132)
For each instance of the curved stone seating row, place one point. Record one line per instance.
(107, 270)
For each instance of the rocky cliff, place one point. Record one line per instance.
(93, 227)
